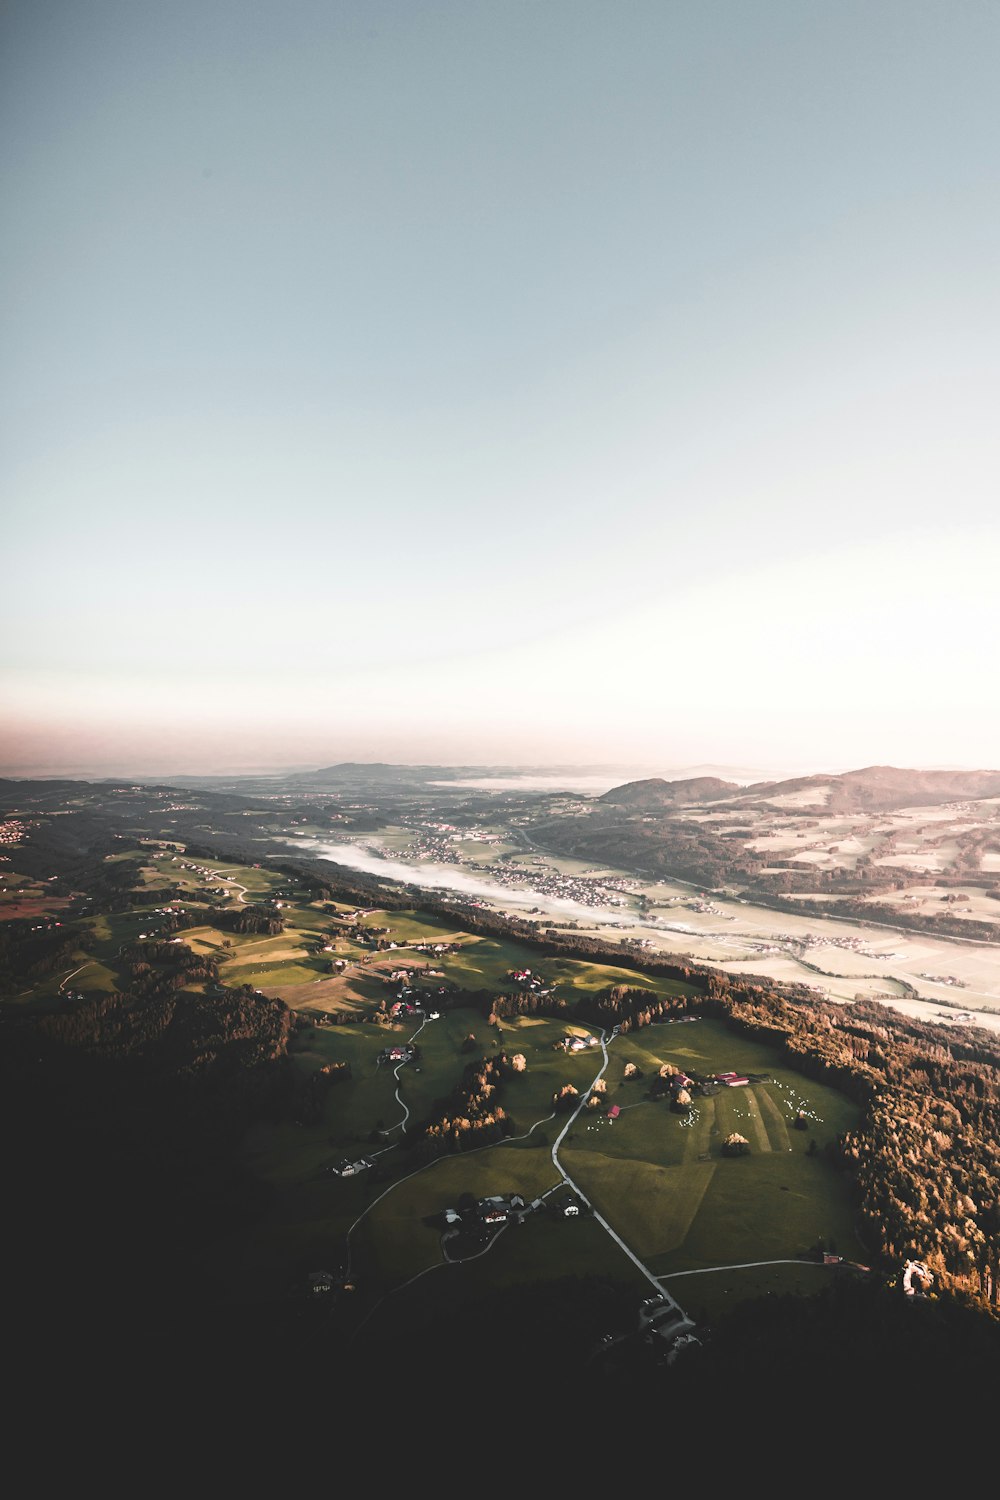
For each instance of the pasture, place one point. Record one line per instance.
(687, 1206)
(657, 1177)
(483, 962)
(24, 898)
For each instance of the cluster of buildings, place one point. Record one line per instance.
(678, 1082)
(351, 1168)
(489, 1213)
(403, 1053)
(853, 944)
(438, 841)
(493, 1212)
(400, 1008)
(577, 1043)
(583, 890)
(528, 980)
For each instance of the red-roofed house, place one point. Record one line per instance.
(614, 1112)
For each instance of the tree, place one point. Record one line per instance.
(519, 1062)
(736, 1145)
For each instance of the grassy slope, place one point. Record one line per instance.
(658, 1177)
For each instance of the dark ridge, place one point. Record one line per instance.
(655, 792)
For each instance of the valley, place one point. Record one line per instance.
(361, 1068)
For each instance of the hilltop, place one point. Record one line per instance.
(873, 788)
(655, 792)
(882, 788)
(864, 834)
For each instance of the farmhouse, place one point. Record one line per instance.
(492, 1211)
(351, 1168)
(614, 1112)
(396, 1054)
(579, 1043)
(731, 1080)
(403, 1008)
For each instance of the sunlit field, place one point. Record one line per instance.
(658, 1178)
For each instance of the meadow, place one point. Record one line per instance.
(657, 1177)
(715, 1228)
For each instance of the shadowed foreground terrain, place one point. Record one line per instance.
(124, 1171)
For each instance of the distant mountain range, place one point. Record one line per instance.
(874, 788)
(869, 789)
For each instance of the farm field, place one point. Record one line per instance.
(726, 936)
(21, 898)
(695, 1210)
(349, 975)
(658, 1179)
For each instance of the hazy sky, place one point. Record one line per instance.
(498, 382)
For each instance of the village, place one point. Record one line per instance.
(437, 841)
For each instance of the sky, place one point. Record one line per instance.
(573, 382)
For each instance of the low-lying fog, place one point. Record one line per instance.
(448, 877)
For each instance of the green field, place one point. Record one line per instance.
(658, 1178)
(486, 961)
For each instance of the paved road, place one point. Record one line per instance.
(228, 880)
(654, 1281)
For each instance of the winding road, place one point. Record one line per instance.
(666, 1304)
(228, 880)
